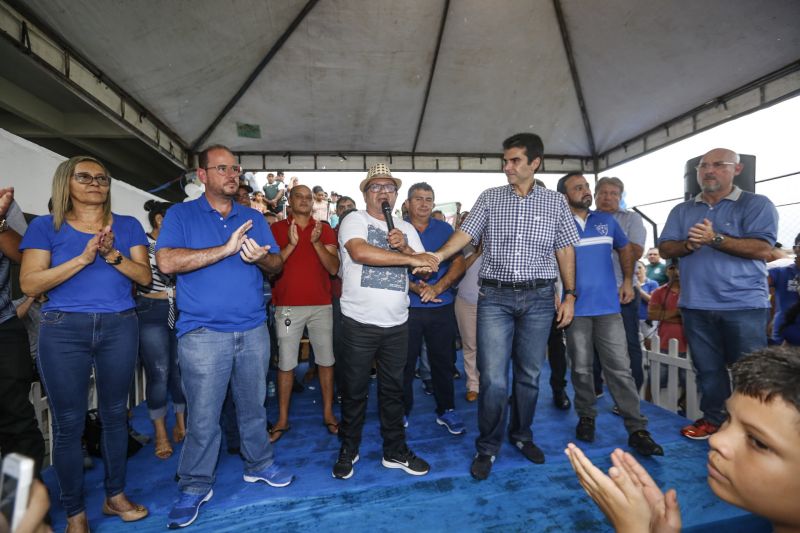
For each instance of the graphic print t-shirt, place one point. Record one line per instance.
(372, 294)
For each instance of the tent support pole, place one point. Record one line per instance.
(445, 10)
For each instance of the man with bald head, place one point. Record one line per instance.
(723, 236)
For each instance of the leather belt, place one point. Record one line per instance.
(529, 284)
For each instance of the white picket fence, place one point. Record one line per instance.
(672, 363)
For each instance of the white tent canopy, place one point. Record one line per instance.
(441, 80)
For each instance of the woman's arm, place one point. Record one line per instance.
(36, 277)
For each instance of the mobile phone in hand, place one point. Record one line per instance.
(15, 486)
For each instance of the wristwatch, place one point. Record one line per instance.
(718, 239)
(3, 225)
(117, 260)
(572, 292)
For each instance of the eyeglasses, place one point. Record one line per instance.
(382, 187)
(86, 178)
(716, 165)
(224, 170)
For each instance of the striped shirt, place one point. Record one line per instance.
(520, 233)
(160, 280)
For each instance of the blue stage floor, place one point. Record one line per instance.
(518, 496)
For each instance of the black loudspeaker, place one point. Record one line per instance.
(746, 180)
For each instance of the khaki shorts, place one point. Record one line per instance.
(318, 319)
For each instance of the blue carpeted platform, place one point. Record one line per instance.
(518, 496)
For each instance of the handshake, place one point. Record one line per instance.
(424, 263)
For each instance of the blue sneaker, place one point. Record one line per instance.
(273, 475)
(452, 421)
(186, 509)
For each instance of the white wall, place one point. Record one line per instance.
(29, 169)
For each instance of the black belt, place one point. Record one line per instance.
(529, 284)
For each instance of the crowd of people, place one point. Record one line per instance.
(528, 273)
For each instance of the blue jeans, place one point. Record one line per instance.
(716, 340)
(69, 344)
(510, 320)
(158, 348)
(209, 360)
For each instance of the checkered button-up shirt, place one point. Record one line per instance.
(520, 234)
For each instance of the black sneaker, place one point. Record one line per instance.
(643, 443)
(561, 400)
(531, 451)
(406, 460)
(481, 466)
(427, 386)
(343, 469)
(585, 429)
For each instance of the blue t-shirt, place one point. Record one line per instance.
(785, 280)
(433, 238)
(228, 295)
(648, 286)
(594, 270)
(98, 287)
(712, 279)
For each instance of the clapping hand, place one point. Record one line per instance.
(105, 241)
(6, 197)
(251, 251)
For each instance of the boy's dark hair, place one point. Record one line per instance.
(773, 372)
(532, 143)
(153, 208)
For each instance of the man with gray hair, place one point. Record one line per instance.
(608, 196)
(723, 235)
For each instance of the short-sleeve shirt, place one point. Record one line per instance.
(433, 238)
(16, 221)
(786, 281)
(376, 295)
(594, 271)
(228, 295)
(98, 287)
(303, 280)
(631, 223)
(714, 280)
(520, 233)
(657, 272)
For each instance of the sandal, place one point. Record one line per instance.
(178, 434)
(275, 434)
(163, 448)
(333, 427)
(136, 512)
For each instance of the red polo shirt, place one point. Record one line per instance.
(303, 281)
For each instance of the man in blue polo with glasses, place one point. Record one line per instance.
(723, 236)
(219, 251)
(528, 237)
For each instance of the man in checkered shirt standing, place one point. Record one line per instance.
(527, 232)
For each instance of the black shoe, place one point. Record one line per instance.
(297, 386)
(531, 451)
(561, 400)
(427, 386)
(456, 374)
(343, 469)
(407, 461)
(585, 429)
(373, 372)
(643, 443)
(481, 466)
(416, 373)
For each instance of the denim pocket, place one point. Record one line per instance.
(143, 304)
(127, 313)
(52, 318)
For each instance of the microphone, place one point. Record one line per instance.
(387, 214)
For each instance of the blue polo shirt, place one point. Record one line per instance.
(785, 280)
(228, 295)
(714, 280)
(595, 282)
(433, 238)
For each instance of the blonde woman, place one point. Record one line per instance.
(86, 259)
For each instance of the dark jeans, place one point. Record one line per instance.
(69, 344)
(158, 348)
(510, 321)
(716, 340)
(557, 357)
(19, 432)
(437, 327)
(361, 343)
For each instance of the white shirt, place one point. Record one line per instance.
(372, 294)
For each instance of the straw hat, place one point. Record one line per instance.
(378, 170)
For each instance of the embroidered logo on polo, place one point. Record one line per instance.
(602, 229)
(389, 278)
